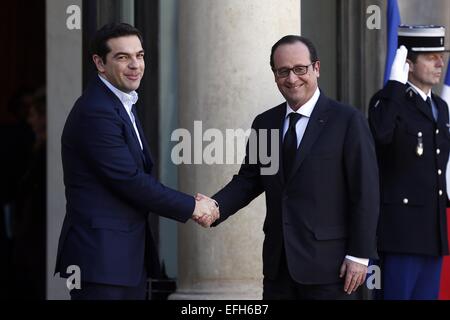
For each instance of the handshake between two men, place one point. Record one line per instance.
(206, 210)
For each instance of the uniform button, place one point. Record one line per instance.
(438, 151)
(437, 131)
(405, 201)
(439, 171)
(419, 134)
(440, 192)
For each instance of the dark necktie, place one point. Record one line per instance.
(290, 144)
(433, 110)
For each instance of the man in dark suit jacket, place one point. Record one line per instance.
(322, 205)
(107, 174)
(410, 127)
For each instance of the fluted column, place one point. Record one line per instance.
(225, 81)
(64, 79)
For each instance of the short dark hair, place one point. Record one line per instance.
(290, 39)
(99, 44)
(412, 56)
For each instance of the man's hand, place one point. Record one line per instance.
(400, 68)
(206, 210)
(355, 275)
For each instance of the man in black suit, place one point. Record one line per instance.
(322, 205)
(410, 127)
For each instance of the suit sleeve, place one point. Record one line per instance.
(361, 173)
(102, 143)
(383, 111)
(242, 189)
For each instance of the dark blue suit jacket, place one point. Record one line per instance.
(327, 208)
(110, 192)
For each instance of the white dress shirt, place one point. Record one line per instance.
(300, 127)
(128, 100)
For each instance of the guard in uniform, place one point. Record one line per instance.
(410, 125)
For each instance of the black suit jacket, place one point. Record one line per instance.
(413, 193)
(327, 208)
(110, 191)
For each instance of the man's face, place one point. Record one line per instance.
(297, 90)
(124, 65)
(427, 70)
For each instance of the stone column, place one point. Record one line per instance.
(359, 70)
(63, 88)
(225, 81)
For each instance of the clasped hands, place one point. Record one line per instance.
(206, 210)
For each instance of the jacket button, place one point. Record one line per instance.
(439, 171)
(437, 131)
(438, 151)
(440, 192)
(419, 134)
(405, 201)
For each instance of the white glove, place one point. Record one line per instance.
(400, 69)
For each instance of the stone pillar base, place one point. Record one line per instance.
(221, 290)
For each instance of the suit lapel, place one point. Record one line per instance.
(119, 107)
(125, 117)
(146, 151)
(424, 108)
(420, 104)
(279, 125)
(442, 112)
(144, 154)
(316, 123)
(443, 116)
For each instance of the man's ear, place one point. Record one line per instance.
(98, 63)
(411, 65)
(317, 68)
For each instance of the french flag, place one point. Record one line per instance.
(444, 293)
(393, 21)
(446, 88)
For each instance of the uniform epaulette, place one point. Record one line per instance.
(376, 103)
(410, 91)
